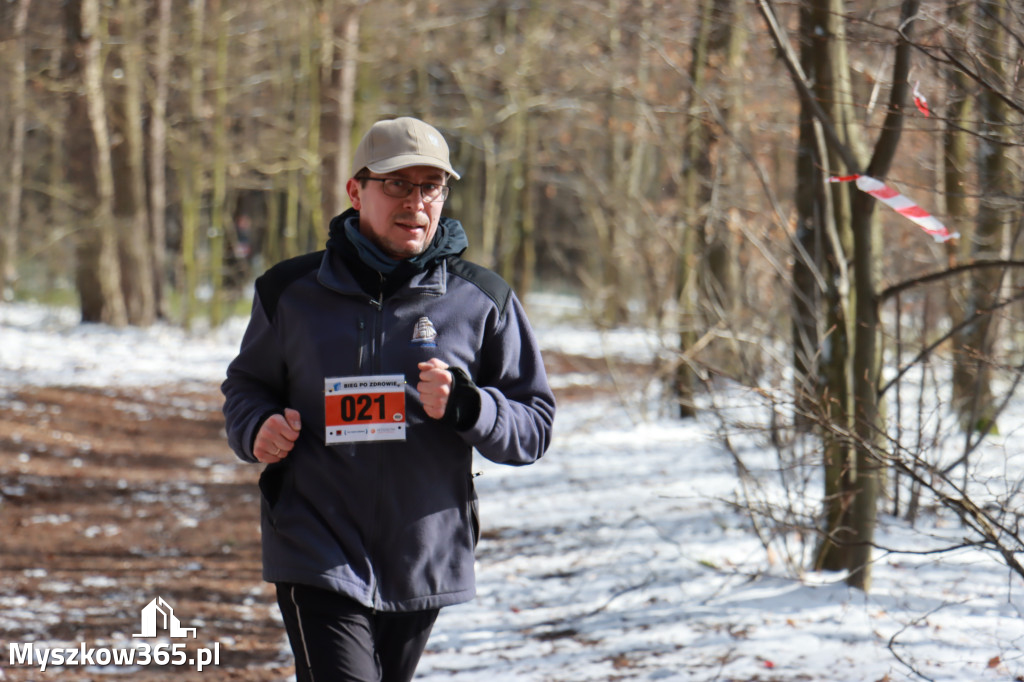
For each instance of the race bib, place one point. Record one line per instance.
(364, 408)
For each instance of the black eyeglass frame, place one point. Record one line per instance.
(442, 195)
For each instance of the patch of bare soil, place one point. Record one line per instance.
(596, 376)
(109, 499)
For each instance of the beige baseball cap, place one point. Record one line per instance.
(401, 143)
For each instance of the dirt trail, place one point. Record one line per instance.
(110, 498)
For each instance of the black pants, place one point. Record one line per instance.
(336, 639)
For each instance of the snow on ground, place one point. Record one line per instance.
(621, 554)
(47, 347)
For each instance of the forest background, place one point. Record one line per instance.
(668, 162)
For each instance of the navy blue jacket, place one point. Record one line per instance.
(391, 524)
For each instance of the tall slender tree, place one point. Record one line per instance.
(127, 157)
(864, 482)
(956, 162)
(705, 280)
(16, 161)
(219, 215)
(338, 68)
(851, 529)
(157, 191)
(192, 170)
(98, 272)
(696, 193)
(973, 372)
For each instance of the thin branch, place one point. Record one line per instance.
(980, 80)
(897, 289)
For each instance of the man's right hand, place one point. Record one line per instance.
(277, 436)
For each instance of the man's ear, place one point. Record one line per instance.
(354, 188)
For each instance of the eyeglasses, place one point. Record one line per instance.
(398, 188)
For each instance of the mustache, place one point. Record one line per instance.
(412, 219)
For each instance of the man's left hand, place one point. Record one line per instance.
(435, 387)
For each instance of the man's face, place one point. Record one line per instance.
(400, 227)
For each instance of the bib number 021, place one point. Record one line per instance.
(364, 408)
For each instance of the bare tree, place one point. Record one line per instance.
(956, 165)
(820, 322)
(696, 195)
(127, 157)
(98, 272)
(860, 482)
(313, 230)
(158, 153)
(706, 281)
(973, 373)
(192, 171)
(16, 160)
(338, 68)
(219, 215)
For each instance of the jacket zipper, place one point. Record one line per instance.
(361, 357)
(377, 344)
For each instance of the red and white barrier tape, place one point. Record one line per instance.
(901, 205)
(920, 101)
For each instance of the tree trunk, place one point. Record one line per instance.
(810, 240)
(313, 229)
(272, 241)
(158, 155)
(97, 268)
(718, 279)
(129, 168)
(292, 209)
(218, 198)
(492, 188)
(956, 140)
(192, 170)
(16, 161)
(337, 110)
(474, 202)
(614, 282)
(642, 184)
(865, 483)
(825, 39)
(860, 485)
(514, 174)
(956, 160)
(527, 259)
(696, 174)
(974, 369)
(59, 148)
